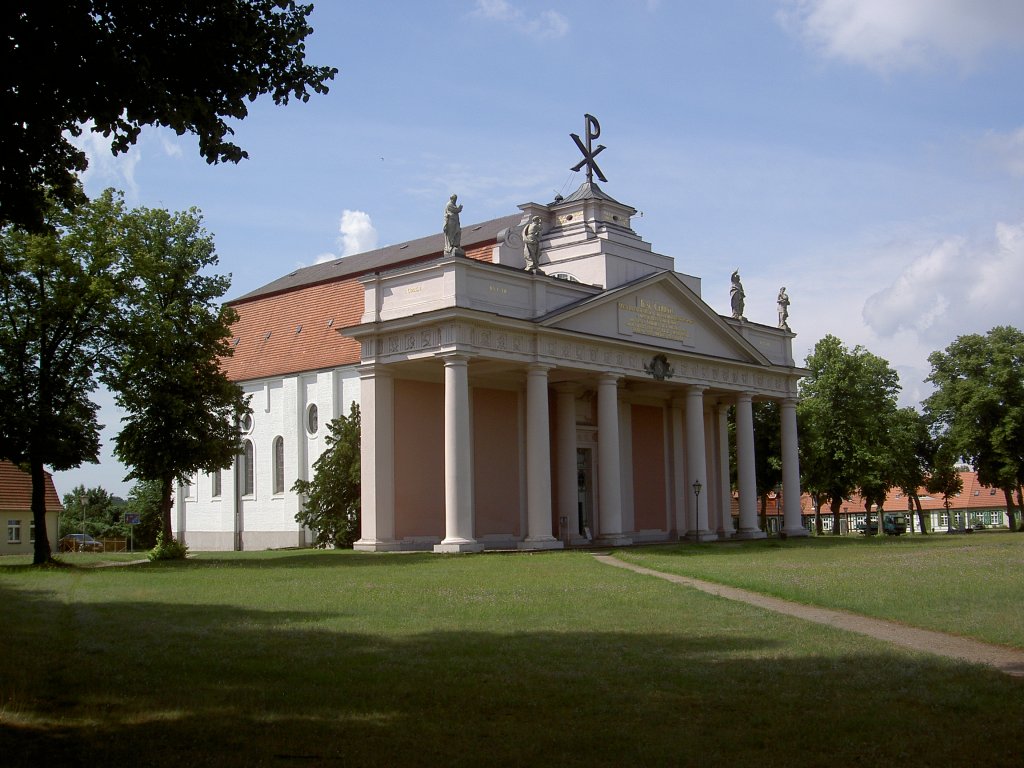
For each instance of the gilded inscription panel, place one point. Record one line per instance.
(648, 317)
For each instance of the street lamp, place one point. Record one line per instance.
(81, 503)
(696, 509)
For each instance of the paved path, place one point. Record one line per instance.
(1007, 660)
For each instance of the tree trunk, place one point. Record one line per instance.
(1011, 510)
(836, 503)
(867, 519)
(764, 512)
(920, 513)
(165, 507)
(819, 528)
(41, 553)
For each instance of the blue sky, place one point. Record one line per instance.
(867, 154)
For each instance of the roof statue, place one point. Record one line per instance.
(453, 228)
(593, 131)
(783, 309)
(531, 244)
(737, 296)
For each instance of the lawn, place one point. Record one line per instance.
(966, 585)
(341, 658)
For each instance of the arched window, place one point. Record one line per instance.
(278, 464)
(248, 469)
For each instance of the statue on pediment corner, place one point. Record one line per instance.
(783, 309)
(737, 296)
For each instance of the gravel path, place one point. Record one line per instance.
(1007, 660)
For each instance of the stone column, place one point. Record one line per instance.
(377, 459)
(696, 466)
(458, 468)
(609, 484)
(538, 462)
(679, 488)
(568, 489)
(728, 530)
(746, 471)
(792, 524)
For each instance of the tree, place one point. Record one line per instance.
(331, 507)
(767, 453)
(978, 406)
(913, 458)
(144, 500)
(945, 480)
(125, 64)
(846, 402)
(181, 409)
(60, 291)
(94, 511)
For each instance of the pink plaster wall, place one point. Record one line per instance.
(419, 459)
(649, 468)
(496, 471)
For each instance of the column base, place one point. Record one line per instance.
(795, 533)
(700, 536)
(541, 542)
(748, 535)
(613, 540)
(457, 546)
(376, 545)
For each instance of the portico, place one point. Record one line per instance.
(576, 403)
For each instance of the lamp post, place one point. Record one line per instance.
(81, 503)
(696, 509)
(778, 508)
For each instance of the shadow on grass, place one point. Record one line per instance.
(161, 684)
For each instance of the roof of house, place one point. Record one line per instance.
(380, 259)
(292, 324)
(16, 490)
(973, 496)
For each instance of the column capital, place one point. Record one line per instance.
(454, 358)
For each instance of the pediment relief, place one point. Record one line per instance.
(659, 311)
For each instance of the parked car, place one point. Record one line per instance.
(80, 542)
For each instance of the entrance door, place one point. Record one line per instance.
(585, 490)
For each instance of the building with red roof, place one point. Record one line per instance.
(16, 510)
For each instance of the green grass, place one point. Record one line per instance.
(340, 658)
(965, 585)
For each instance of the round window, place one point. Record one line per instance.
(246, 423)
(312, 419)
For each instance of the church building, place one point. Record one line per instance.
(536, 381)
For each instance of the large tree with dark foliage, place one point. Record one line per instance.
(59, 293)
(119, 65)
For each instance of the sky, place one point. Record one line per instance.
(866, 154)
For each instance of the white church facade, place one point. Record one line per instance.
(519, 387)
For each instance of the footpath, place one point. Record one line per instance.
(1010, 661)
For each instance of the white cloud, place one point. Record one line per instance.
(888, 35)
(545, 25)
(105, 168)
(956, 287)
(1008, 148)
(357, 234)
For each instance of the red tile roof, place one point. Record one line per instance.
(973, 496)
(285, 331)
(16, 490)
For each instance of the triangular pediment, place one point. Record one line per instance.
(659, 310)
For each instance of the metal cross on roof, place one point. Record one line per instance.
(593, 131)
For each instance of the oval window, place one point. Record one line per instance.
(312, 419)
(246, 423)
